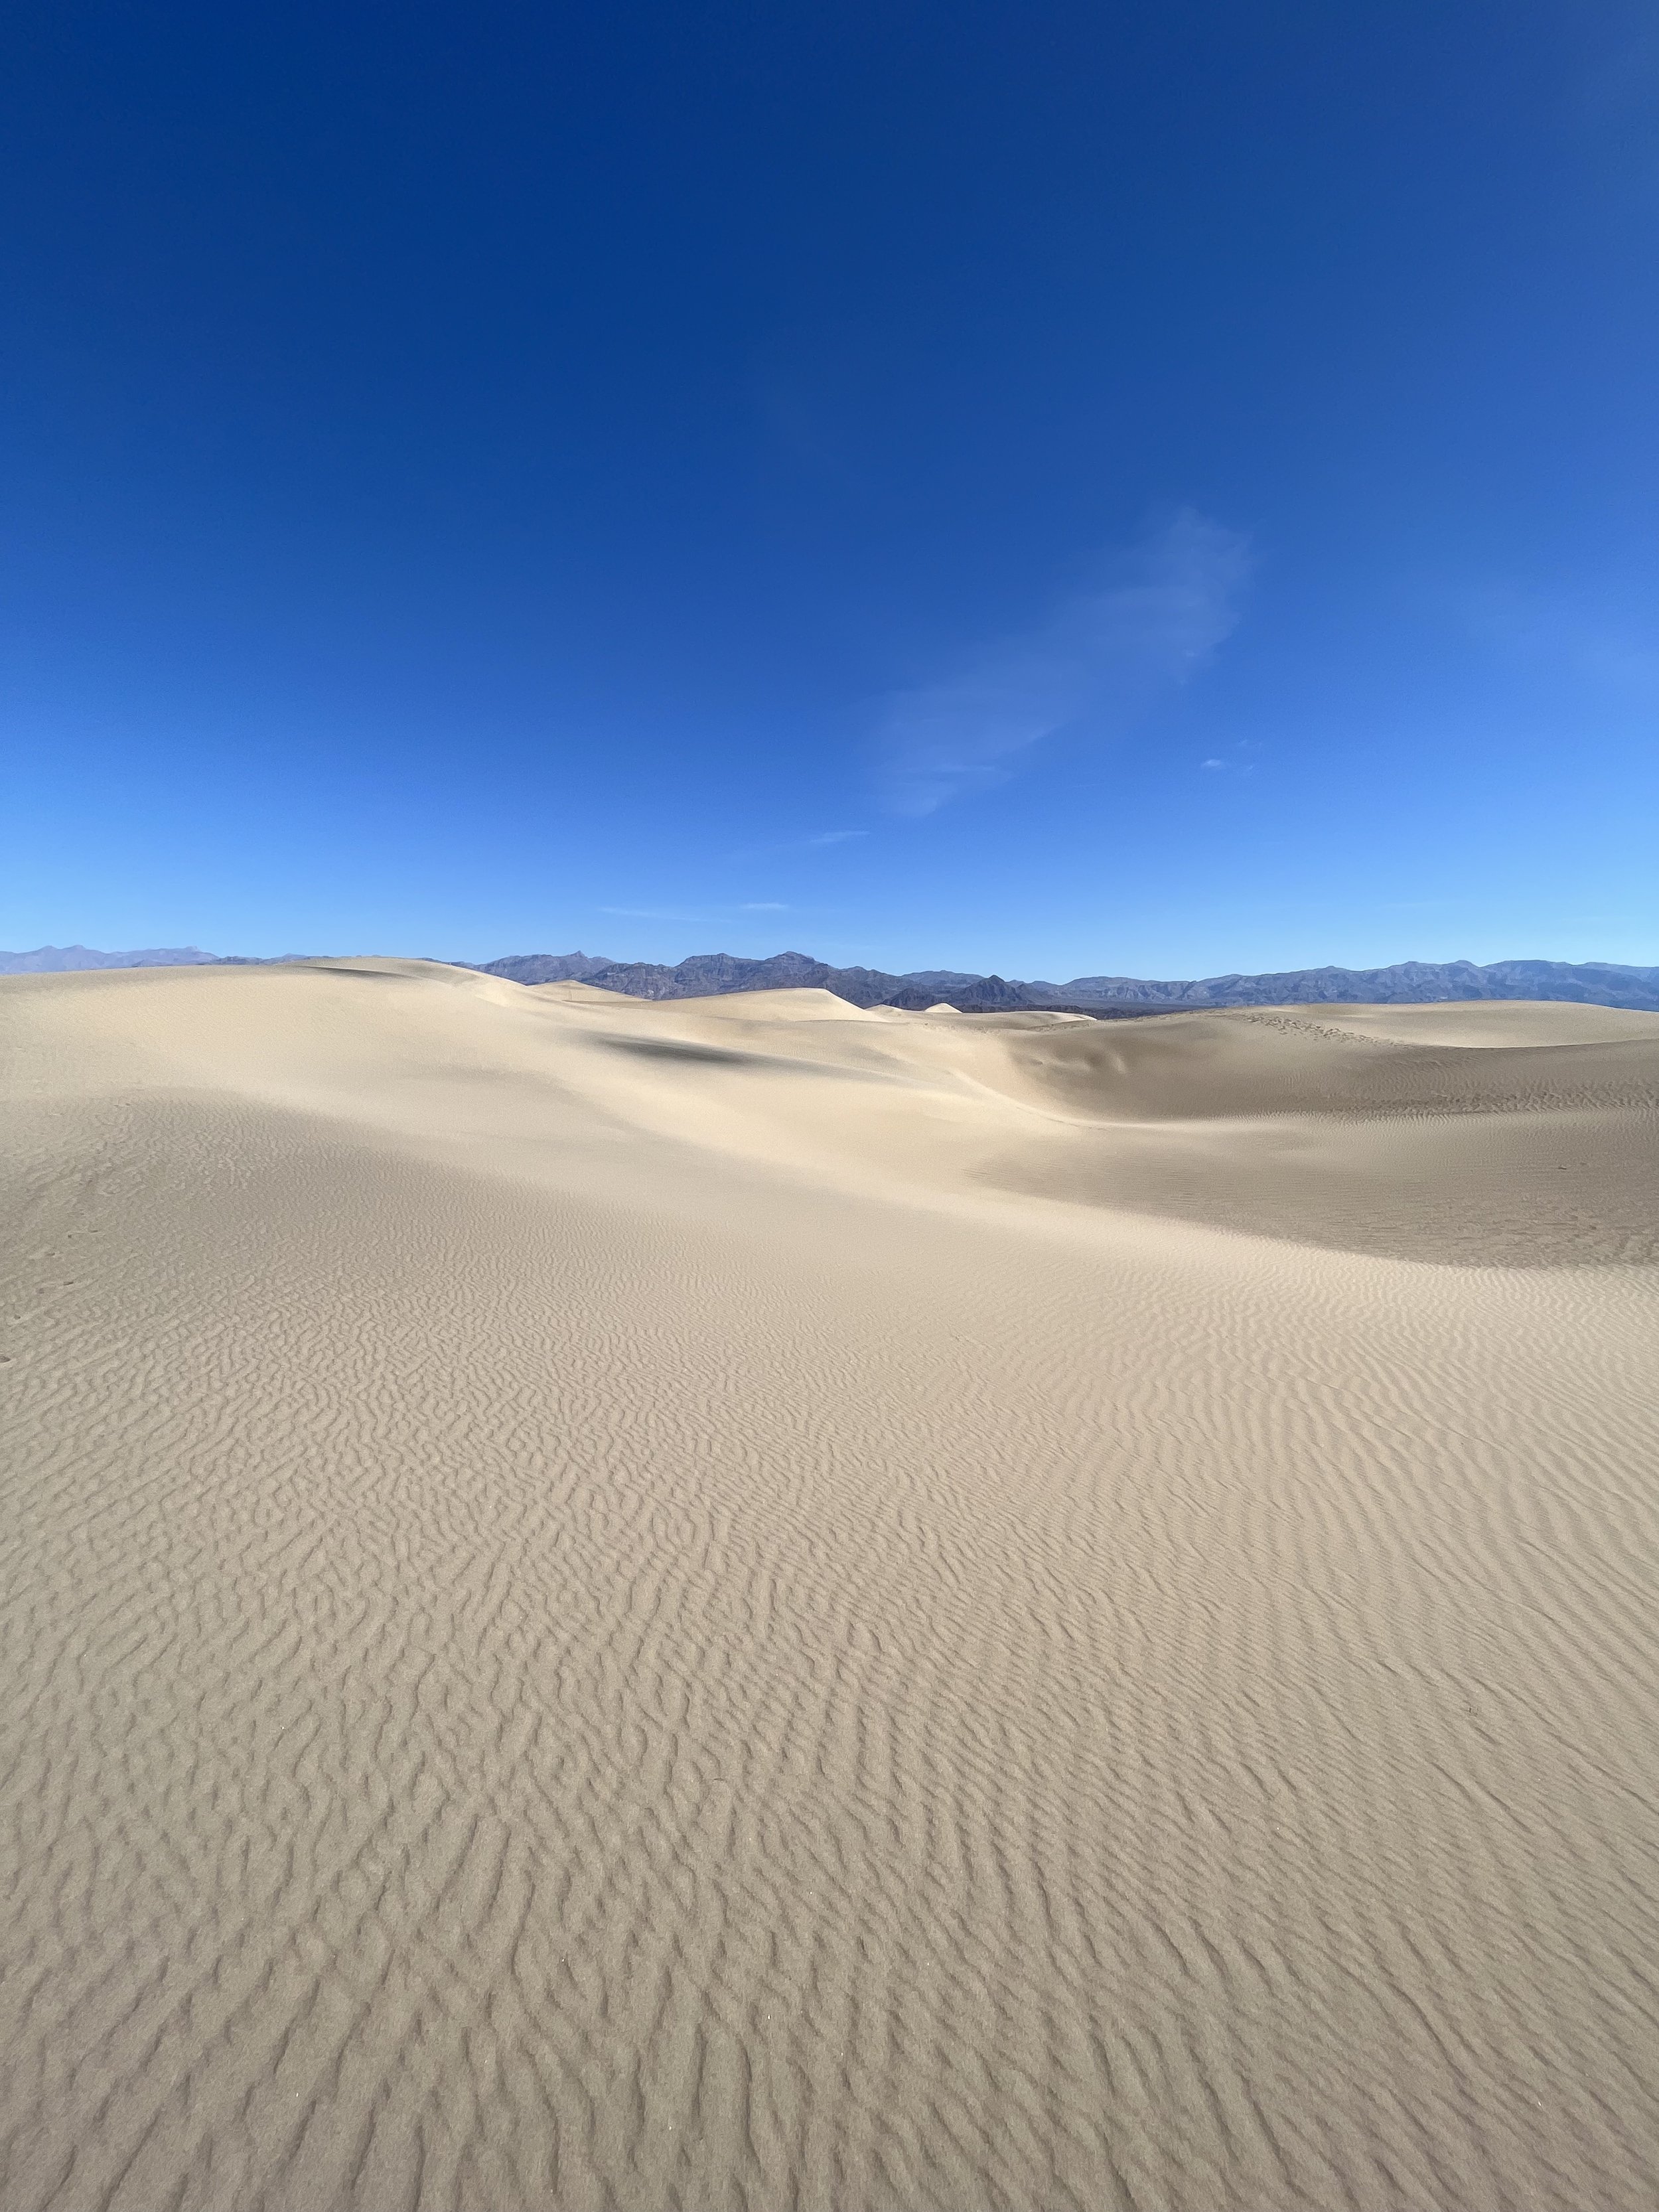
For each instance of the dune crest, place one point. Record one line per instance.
(750, 1603)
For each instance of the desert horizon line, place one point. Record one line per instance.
(1612, 983)
(1410, 960)
(187, 955)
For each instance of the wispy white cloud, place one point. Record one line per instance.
(1098, 658)
(700, 916)
(1238, 760)
(836, 837)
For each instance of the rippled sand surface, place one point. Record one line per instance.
(742, 1604)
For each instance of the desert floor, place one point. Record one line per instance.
(744, 1604)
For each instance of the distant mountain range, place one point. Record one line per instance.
(68, 959)
(1594, 983)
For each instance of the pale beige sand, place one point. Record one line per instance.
(745, 1604)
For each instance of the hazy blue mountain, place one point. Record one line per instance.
(706, 974)
(1418, 982)
(1415, 982)
(1593, 982)
(548, 967)
(70, 959)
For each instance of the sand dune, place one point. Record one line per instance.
(746, 1603)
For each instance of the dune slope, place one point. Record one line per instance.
(758, 1605)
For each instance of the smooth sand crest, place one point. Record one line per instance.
(744, 1603)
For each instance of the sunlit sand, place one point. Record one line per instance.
(747, 1603)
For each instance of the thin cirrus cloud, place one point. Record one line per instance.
(1607, 649)
(651, 913)
(696, 914)
(1099, 658)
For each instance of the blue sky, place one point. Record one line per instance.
(1057, 489)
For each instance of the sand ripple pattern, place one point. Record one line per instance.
(552, 1661)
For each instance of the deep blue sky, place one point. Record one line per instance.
(1060, 489)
